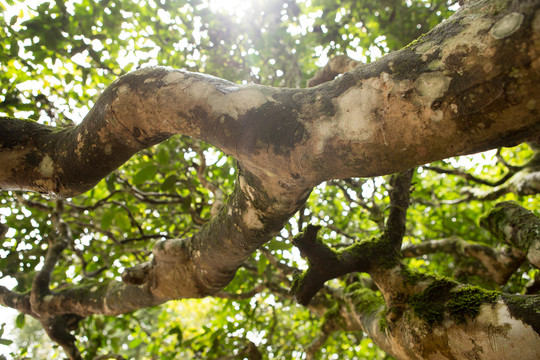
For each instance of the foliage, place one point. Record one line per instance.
(55, 58)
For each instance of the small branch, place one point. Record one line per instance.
(40, 284)
(399, 202)
(130, 215)
(110, 356)
(326, 263)
(516, 226)
(336, 66)
(500, 264)
(58, 329)
(467, 176)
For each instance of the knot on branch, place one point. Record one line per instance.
(138, 274)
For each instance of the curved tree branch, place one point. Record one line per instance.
(411, 107)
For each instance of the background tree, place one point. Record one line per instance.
(58, 56)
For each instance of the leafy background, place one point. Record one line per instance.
(55, 59)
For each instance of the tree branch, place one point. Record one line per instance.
(500, 264)
(399, 203)
(516, 226)
(411, 107)
(414, 103)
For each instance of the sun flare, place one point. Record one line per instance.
(237, 8)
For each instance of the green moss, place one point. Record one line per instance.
(413, 277)
(439, 297)
(383, 324)
(466, 302)
(333, 315)
(378, 252)
(524, 307)
(365, 300)
(298, 280)
(429, 305)
(415, 42)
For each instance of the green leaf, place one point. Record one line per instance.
(163, 156)
(6, 342)
(169, 182)
(111, 181)
(20, 320)
(106, 219)
(278, 245)
(261, 265)
(122, 220)
(145, 174)
(135, 342)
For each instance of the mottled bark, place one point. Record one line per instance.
(470, 84)
(433, 318)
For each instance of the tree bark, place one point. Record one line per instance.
(469, 85)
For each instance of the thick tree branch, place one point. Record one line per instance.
(411, 107)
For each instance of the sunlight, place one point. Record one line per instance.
(236, 8)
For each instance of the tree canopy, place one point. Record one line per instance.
(274, 216)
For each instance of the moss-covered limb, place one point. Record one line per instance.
(399, 202)
(525, 308)
(443, 296)
(516, 226)
(326, 263)
(313, 248)
(499, 264)
(364, 300)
